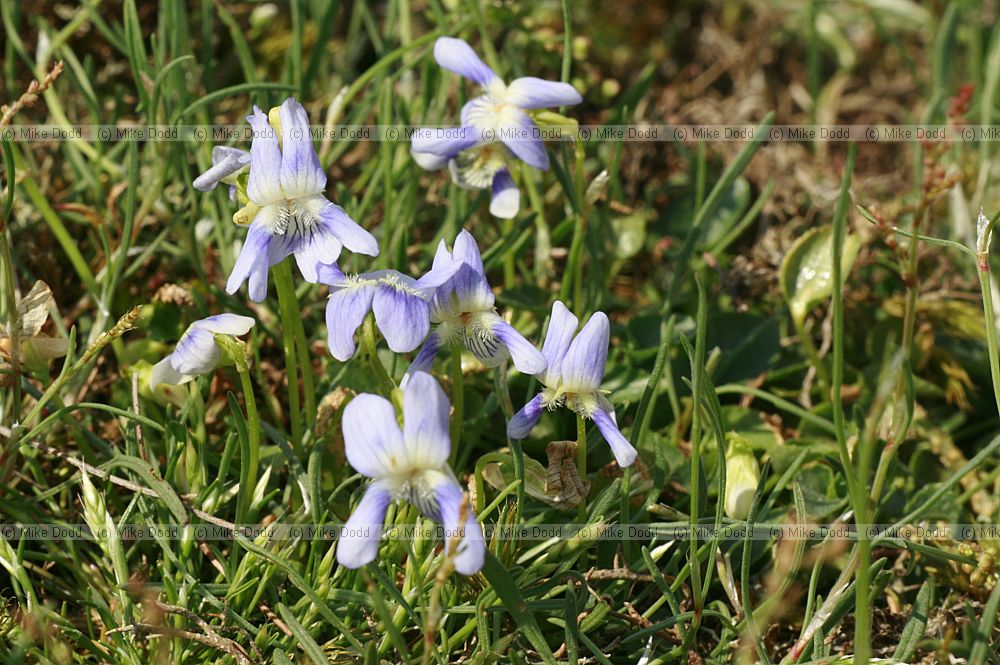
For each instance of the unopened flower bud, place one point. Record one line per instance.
(742, 476)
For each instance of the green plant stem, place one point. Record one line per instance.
(991, 325)
(581, 462)
(457, 400)
(249, 466)
(371, 351)
(13, 325)
(807, 343)
(289, 308)
(305, 364)
(517, 451)
(543, 240)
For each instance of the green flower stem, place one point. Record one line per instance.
(507, 407)
(249, 467)
(581, 462)
(371, 350)
(13, 325)
(543, 239)
(986, 287)
(457, 400)
(289, 308)
(305, 363)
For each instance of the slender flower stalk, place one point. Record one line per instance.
(408, 464)
(575, 369)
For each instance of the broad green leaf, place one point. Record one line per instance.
(807, 271)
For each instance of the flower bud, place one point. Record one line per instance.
(742, 476)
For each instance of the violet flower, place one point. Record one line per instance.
(287, 210)
(463, 309)
(573, 379)
(501, 114)
(196, 352)
(406, 465)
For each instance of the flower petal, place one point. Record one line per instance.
(526, 145)
(625, 454)
(347, 231)
(331, 275)
(442, 141)
(402, 318)
(226, 324)
(225, 162)
(506, 199)
(345, 311)
(535, 93)
(164, 372)
(264, 185)
(463, 537)
(457, 56)
(196, 352)
(437, 276)
(582, 368)
(252, 263)
(373, 441)
(562, 328)
(319, 248)
(428, 161)
(362, 532)
(425, 358)
(301, 173)
(527, 359)
(467, 250)
(520, 426)
(425, 422)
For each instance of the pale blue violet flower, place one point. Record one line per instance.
(227, 164)
(573, 379)
(196, 352)
(400, 304)
(500, 113)
(463, 310)
(289, 211)
(406, 465)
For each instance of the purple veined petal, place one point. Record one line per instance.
(347, 231)
(402, 317)
(463, 537)
(424, 360)
(362, 533)
(535, 93)
(301, 173)
(428, 161)
(226, 324)
(331, 275)
(373, 441)
(319, 248)
(252, 263)
(457, 56)
(345, 312)
(473, 291)
(562, 328)
(225, 162)
(604, 417)
(505, 199)
(164, 372)
(425, 422)
(520, 426)
(527, 359)
(529, 149)
(196, 352)
(582, 368)
(467, 250)
(443, 141)
(264, 185)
